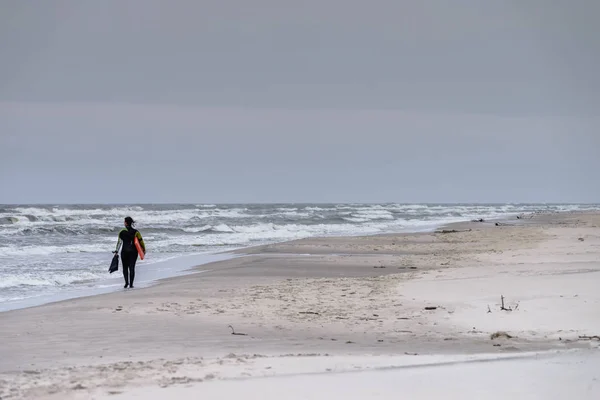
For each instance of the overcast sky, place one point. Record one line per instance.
(280, 101)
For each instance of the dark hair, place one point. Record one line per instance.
(129, 221)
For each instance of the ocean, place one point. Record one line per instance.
(51, 252)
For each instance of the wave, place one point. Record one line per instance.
(222, 228)
(237, 225)
(61, 278)
(208, 219)
(43, 250)
(240, 235)
(213, 215)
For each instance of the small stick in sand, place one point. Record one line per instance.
(489, 309)
(233, 332)
(595, 337)
(446, 231)
(502, 306)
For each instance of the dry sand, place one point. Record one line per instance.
(325, 305)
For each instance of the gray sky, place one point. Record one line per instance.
(274, 101)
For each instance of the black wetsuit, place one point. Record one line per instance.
(129, 253)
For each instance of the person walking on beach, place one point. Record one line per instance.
(129, 253)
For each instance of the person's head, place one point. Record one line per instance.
(129, 222)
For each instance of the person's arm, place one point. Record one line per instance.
(119, 243)
(139, 236)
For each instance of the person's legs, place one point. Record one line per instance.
(125, 270)
(132, 269)
(128, 267)
(131, 274)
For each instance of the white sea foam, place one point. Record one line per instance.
(15, 250)
(47, 279)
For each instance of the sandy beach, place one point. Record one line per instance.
(514, 307)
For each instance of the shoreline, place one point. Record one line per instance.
(153, 274)
(31, 269)
(110, 285)
(173, 267)
(359, 302)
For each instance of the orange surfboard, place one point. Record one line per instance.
(138, 247)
